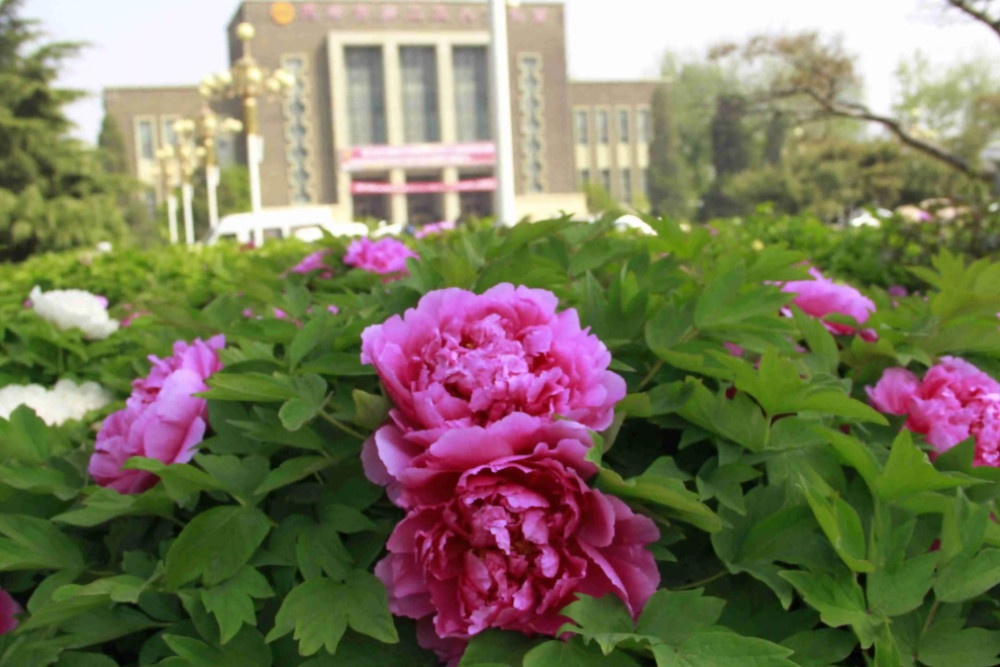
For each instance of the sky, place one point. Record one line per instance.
(178, 42)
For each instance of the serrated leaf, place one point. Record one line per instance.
(720, 648)
(215, 545)
(947, 644)
(319, 612)
(674, 616)
(908, 472)
(574, 652)
(29, 543)
(292, 471)
(964, 577)
(232, 601)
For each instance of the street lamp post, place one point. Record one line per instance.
(187, 160)
(209, 127)
(247, 80)
(502, 130)
(165, 157)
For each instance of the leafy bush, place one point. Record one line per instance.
(798, 526)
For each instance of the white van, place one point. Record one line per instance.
(302, 222)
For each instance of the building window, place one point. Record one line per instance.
(582, 122)
(421, 120)
(606, 180)
(583, 178)
(529, 83)
(145, 139)
(644, 129)
(626, 183)
(167, 130)
(366, 95)
(149, 200)
(225, 150)
(644, 182)
(298, 153)
(472, 101)
(602, 127)
(623, 126)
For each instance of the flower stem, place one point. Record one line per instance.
(342, 426)
(930, 617)
(703, 582)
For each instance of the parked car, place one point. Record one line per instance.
(306, 223)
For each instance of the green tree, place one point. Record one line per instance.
(132, 193)
(233, 193)
(53, 193)
(667, 188)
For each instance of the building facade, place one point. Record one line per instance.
(389, 114)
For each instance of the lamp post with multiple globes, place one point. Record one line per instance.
(165, 160)
(188, 154)
(209, 127)
(247, 81)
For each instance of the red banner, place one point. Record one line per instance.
(479, 153)
(486, 184)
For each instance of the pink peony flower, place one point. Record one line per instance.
(821, 297)
(411, 471)
(162, 419)
(460, 359)
(314, 262)
(516, 540)
(433, 228)
(200, 357)
(385, 256)
(9, 609)
(954, 401)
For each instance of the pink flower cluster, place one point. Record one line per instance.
(314, 262)
(822, 297)
(9, 609)
(162, 419)
(954, 401)
(501, 530)
(433, 228)
(386, 256)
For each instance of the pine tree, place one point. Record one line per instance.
(667, 192)
(53, 193)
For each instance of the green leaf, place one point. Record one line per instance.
(669, 493)
(899, 589)
(841, 524)
(948, 644)
(35, 544)
(249, 387)
(604, 620)
(965, 577)
(674, 616)
(239, 476)
(721, 648)
(909, 472)
(839, 600)
(824, 647)
(232, 602)
(180, 479)
(319, 612)
(575, 653)
(319, 550)
(247, 649)
(371, 410)
(75, 659)
(215, 545)
(738, 419)
(25, 437)
(312, 335)
(292, 471)
(497, 648)
(103, 505)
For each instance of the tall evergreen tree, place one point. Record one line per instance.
(666, 173)
(53, 193)
(730, 155)
(114, 155)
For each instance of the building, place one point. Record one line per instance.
(389, 115)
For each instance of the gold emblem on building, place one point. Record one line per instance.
(282, 13)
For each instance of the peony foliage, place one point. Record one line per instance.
(544, 445)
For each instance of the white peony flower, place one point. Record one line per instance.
(74, 308)
(66, 400)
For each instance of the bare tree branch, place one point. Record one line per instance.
(967, 8)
